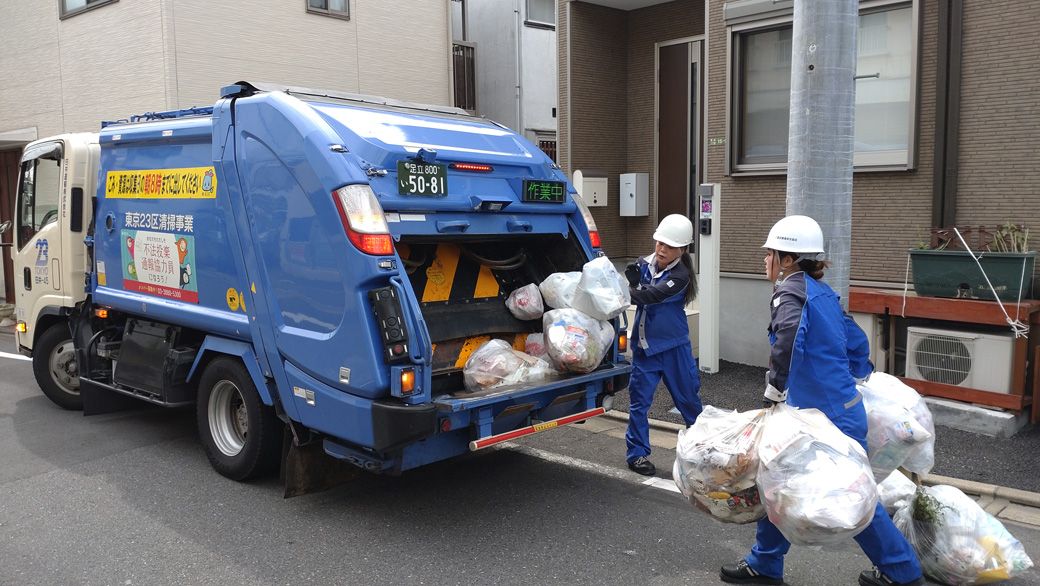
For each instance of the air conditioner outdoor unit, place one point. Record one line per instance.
(965, 359)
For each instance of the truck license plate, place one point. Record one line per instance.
(424, 179)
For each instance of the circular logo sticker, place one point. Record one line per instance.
(233, 299)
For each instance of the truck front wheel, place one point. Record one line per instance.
(54, 365)
(240, 434)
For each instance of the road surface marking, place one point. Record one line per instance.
(14, 356)
(585, 465)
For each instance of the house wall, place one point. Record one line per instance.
(596, 124)
(492, 27)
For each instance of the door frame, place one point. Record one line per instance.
(696, 56)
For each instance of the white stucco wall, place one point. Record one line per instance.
(744, 319)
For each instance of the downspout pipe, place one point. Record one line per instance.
(947, 113)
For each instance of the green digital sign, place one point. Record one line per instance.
(544, 191)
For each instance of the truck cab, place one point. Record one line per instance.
(304, 261)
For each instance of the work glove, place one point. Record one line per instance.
(772, 396)
(632, 273)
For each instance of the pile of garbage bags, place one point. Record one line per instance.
(815, 481)
(900, 430)
(792, 465)
(496, 364)
(716, 464)
(576, 342)
(957, 541)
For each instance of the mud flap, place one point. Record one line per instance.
(307, 469)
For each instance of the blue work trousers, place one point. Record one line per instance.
(883, 544)
(679, 369)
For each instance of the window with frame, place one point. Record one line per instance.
(74, 7)
(334, 8)
(541, 13)
(884, 92)
(39, 189)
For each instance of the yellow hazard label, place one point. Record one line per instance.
(469, 347)
(185, 183)
(441, 274)
(487, 285)
(544, 426)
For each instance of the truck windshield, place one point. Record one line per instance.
(38, 192)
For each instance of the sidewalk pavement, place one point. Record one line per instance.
(1007, 504)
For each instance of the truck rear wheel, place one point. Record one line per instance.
(240, 434)
(55, 369)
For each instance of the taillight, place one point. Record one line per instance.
(589, 221)
(363, 219)
(622, 342)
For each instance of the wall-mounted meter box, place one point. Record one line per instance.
(635, 194)
(592, 187)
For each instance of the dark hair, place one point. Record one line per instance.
(691, 289)
(813, 268)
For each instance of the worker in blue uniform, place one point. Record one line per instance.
(817, 354)
(661, 285)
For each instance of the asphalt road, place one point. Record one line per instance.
(129, 498)
(1012, 462)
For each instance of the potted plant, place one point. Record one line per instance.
(945, 269)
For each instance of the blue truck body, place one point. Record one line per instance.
(231, 228)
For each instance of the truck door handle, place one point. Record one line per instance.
(27, 278)
(452, 226)
(518, 226)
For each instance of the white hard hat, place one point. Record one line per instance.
(675, 230)
(798, 234)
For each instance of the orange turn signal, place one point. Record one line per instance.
(101, 313)
(21, 327)
(622, 342)
(407, 381)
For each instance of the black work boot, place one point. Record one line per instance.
(742, 573)
(642, 465)
(874, 577)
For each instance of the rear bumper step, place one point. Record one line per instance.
(491, 440)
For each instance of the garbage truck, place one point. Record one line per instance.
(308, 269)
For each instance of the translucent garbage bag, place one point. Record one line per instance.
(525, 302)
(534, 345)
(558, 289)
(816, 482)
(575, 341)
(602, 292)
(957, 541)
(716, 462)
(496, 364)
(900, 430)
(895, 491)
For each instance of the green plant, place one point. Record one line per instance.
(928, 509)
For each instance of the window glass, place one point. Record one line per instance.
(69, 7)
(340, 8)
(38, 192)
(543, 11)
(883, 100)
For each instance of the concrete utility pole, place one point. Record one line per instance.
(823, 108)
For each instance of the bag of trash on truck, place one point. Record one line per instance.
(957, 541)
(525, 302)
(575, 341)
(895, 491)
(900, 430)
(815, 481)
(534, 345)
(716, 461)
(496, 364)
(602, 292)
(558, 289)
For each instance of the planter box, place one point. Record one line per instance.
(953, 273)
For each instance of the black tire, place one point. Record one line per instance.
(241, 435)
(54, 365)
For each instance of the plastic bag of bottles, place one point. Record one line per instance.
(534, 345)
(602, 292)
(900, 430)
(496, 364)
(526, 302)
(815, 481)
(716, 462)
(575, 341)
(957, 541)
(558, 289)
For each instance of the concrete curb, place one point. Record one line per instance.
(1014, 495)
